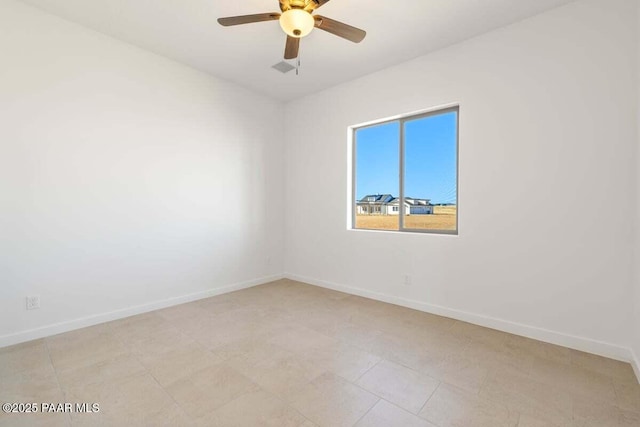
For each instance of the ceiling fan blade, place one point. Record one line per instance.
(248, 19)
(340, 29)
(292, 48)
(320, 3)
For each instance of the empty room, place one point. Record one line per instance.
(319, 213)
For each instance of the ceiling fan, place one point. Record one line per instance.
(297, 21)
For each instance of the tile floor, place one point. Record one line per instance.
(290, 354)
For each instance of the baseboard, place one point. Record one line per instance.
(635, 364)
(58, 328)
(577, 343)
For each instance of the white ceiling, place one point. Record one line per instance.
(187, 31)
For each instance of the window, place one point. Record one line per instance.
(410, 164)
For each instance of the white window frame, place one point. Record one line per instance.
(402, 119)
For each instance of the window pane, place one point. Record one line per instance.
(430, 172)
(377, 174)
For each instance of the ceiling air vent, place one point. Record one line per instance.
(284, 67)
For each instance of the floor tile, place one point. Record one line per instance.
(451, 406)
(331, 401)
(36, 385)
(360, 336)
(589, 412)
(120, 367)
(461, 370)
(288, 353)
(203, 392)
(248, 351)
(478, 333)
(345, 360)
(135, 328)
(23, 357)
(574, 379)
(281, 373)
(218, 332)
(35, 420)
(621, 371)
(79, 348)
(400, 385)
(385, 414)
(529, 421)
(215, 306)
(421, 356)
(138, 400)
(257, 408)
(178, 363)
(627, 395)
(161, 342)
(500, 356)
(533, 348)
(527, 395)
(39, 385)
(300, 339)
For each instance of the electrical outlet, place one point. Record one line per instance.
(407, 280)
(33, 302)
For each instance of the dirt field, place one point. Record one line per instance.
(443, 218)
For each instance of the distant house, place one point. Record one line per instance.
(386, 204)
(418, 206)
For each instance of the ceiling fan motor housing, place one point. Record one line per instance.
(307, 5)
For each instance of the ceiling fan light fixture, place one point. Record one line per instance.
(297, 22)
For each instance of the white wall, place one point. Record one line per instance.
(636, 338)
(126, 179)
(547, 120)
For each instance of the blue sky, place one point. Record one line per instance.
(430, 159)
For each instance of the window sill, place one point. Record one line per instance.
(423, 232)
